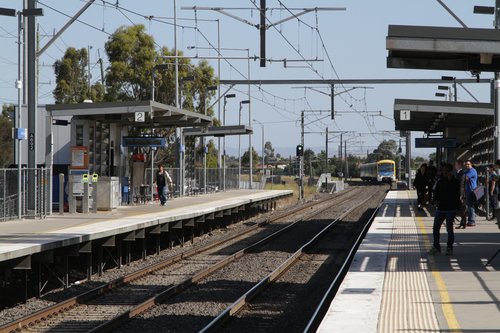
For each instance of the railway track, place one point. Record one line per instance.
(128, 295)
(191, 310)
(287, 298)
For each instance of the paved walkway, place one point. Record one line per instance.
(394, 286)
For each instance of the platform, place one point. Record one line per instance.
(393, 285)
(20, 239)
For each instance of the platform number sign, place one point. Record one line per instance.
(140, 116)
(404, 115)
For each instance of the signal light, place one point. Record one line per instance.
(300, 150)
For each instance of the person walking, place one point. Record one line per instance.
(162, 181)
(447, 200)
(470, 198)
(432, 173)
(420, 183)
(460, 175)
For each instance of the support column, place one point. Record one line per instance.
(408, 158)
(497, 116)
(31, 85)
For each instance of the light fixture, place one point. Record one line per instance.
(440, 95)
(230, 96)
(443, 88)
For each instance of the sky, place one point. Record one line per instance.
(350, 43)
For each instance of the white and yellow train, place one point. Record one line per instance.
(381, 171)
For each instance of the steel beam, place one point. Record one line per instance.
(346, 81)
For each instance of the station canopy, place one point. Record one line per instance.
(218, 131)
(156, 115)
(435, 116)
(443, 48)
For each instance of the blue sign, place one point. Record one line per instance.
(435, 143)
(20, 134)
(143, 141)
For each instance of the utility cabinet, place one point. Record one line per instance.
(108, 193)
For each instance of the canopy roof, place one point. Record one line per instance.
(434, 116)
(156, 114)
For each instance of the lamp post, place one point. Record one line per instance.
(239, 140)
(19, 85)
(263, 157)
(224, 141)
(205, 147)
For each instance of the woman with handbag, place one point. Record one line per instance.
(162, 180)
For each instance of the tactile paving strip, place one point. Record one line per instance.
(406, 300)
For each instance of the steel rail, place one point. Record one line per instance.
(324, 304)
(273, 276)
(41, 315)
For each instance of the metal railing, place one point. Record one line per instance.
(10, 196)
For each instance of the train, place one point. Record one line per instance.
(381, 171)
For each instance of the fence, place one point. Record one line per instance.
(10, 198)
(216, 180)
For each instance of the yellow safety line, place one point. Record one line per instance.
(446, 305)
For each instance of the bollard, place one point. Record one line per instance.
(94, 197)
(71, 197)
(85, 199)
(61, 193)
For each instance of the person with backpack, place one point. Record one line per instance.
(420, 183)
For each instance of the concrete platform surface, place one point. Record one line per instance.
(393, 285)
(23, 237)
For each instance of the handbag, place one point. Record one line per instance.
(478, 192)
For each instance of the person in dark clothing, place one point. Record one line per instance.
(492, 188)
(162, 181)
(431, 177)
(420, 183)
(447, 199)
(460, 175)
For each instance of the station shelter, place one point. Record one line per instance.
(104, 142)
(466, 130)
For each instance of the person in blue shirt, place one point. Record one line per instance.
(470, 186)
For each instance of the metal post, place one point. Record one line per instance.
(239, 148)
(71, 198)
(497, 117)
(85, 199)
(205, 151)
(249, 114)
(301, 158)
(263, 154)
(61, 193)
(487, 187)
(224, 147)
(408, 158)
(152, 174)
(326, 160)
(94, 197)
(341, 158)
(219, 159)
(31, 84)
(346, 160)
(19, 85)
(250, 145)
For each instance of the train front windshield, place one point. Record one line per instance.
(386, 169)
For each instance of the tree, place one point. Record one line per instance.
(245, 158)
(268, 151)
(132, 56)
(432, 156)
(386, 150)
(6, 145)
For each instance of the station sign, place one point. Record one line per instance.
(435, 143)
(140, 141)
